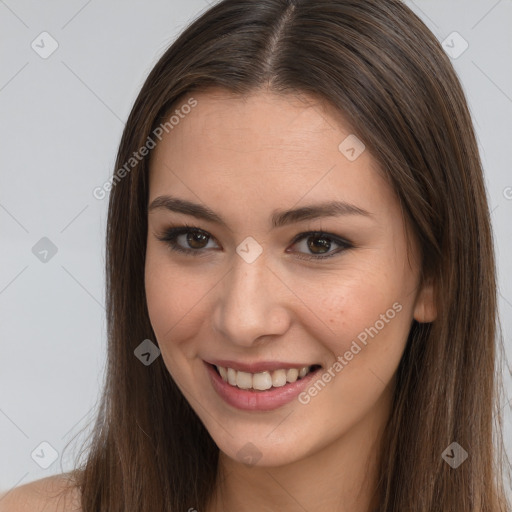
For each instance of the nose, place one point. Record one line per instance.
(252, 304)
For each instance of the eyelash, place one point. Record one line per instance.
(171, 234)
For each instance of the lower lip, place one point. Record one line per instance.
(249, 400)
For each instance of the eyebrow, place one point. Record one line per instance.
(279, 217)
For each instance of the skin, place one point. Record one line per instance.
(244, 158)
(50, 494)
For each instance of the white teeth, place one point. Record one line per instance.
(292, 374)
(244, 380)
(303, 371)
(231, 376)
(263, 380)
(279, 378)
(223, 372)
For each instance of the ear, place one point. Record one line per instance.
(425, 307)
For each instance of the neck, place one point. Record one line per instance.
(340, 476)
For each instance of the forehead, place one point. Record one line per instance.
(263, 148)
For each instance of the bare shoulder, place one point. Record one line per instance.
(52, 494)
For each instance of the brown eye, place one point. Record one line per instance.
(318, 245)
(187, 239)
(197, 240)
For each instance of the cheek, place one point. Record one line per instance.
(167, 304)
(353, 307)
(176, 301)
(371, 326)
(370, 313)
(160, 293)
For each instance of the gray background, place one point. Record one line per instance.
(62, 118)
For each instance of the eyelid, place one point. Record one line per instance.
(319, 232)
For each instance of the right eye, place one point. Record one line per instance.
(186, 239)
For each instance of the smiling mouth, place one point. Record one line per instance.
(263, 381)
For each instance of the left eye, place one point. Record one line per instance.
(320, 244)
(317, 242)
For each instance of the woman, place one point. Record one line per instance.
(300, 275)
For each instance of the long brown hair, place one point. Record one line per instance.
(378, 64)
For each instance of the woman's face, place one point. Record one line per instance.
(256, 293)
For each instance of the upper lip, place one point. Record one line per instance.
(256, 367)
